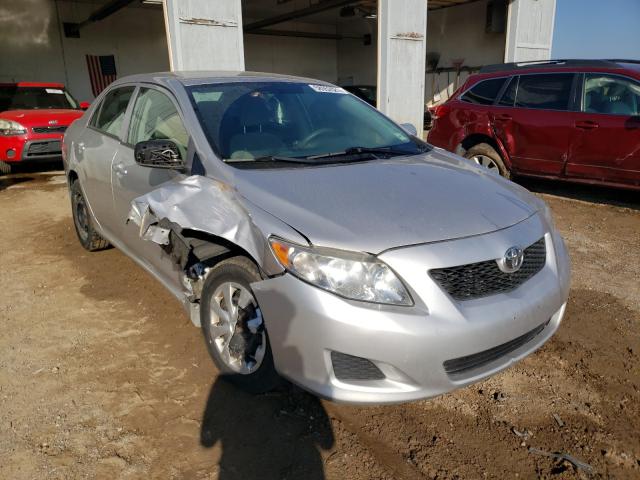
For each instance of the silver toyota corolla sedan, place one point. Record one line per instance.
(312, 238)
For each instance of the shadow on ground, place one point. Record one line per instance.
(272, 436)
(589, 193)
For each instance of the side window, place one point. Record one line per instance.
(155, 117)
(509, 96)
(112, 111)
(611, 94)
(545, 91)
(485, 92)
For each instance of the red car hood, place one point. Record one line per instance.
(41, 118)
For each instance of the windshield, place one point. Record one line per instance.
(257, 120)
(29, 98)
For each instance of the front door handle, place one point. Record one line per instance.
(119, 169)
(586, 124)
(502, 116)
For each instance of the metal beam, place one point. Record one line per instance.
(295, 33)
(285, 17)
(105, 11)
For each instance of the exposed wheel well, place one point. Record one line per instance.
(475, 139)
(211, 249)
(71, 176)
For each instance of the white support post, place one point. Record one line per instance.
(204, 34)
(402, 50)
(530, 30)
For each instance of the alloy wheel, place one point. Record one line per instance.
(237, 329)
(486, 162)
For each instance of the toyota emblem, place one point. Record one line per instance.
(512, 260)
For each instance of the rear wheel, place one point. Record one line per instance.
(82, 221)
(233, 328)
(486, 156)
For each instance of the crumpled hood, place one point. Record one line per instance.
(378, 205)
(41, 117)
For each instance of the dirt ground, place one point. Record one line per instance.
(103, 376)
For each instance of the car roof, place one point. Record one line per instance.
(188, 78)
(32, 84)
(560, 65)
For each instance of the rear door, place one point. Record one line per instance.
(95, 151)
(534, 120)
(155, 115)
(606, 137)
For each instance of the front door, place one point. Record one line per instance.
(534, 122)
(95, 153)
(606, 138)
(155, 116)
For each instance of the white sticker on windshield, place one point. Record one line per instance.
(328, 89)
(54, 90)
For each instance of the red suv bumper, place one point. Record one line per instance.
(27, 148)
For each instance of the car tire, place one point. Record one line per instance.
(241, 354)
(83, 222)
(486, 156)
(5, 168)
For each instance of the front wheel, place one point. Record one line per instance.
(486, 156)
(82, 221)
(233, 327)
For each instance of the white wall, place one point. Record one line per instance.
(357, 62)
(35, 49)
(307, 57)
(459, 33)
(530, 32)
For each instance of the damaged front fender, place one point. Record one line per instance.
(202, 204)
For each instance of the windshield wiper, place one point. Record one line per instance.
(271, 158)
(363, 150)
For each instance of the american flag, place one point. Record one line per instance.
(102, 71)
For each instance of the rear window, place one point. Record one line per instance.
(111, 114)
(485, 92)
(31, 98)
(544, 91)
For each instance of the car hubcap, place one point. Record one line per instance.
(81, 217)
(237, 330)
(486, 162)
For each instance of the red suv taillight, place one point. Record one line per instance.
(439, 111)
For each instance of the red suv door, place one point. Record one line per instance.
(534, 122)
(606, 138)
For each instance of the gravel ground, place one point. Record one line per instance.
(103, 376)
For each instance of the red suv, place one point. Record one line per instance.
(575, 120)
(33, 118)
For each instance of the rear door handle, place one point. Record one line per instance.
(586, 124)
(119, 169)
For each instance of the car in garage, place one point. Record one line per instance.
(33, 118)
(312, 238)
(369, 93)
(576, 120)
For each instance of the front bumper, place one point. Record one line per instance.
(26, 149)
(411, 345)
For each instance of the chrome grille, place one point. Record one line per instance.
(347, 367)
(481, 279)
(54, 129)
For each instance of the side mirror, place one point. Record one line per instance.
(409, 128)
(84, 105)
(159, 154)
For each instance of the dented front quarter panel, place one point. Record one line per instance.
(207, 205)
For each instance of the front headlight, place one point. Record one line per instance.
(351, 275)
(9, 127)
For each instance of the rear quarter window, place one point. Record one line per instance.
(484, 92)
